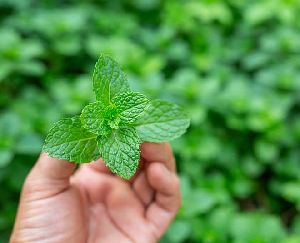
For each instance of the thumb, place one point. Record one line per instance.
(52, 169)
(49, 176)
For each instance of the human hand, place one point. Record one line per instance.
(93, 205)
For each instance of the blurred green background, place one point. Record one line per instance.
(233, 64)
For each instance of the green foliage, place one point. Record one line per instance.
(109, 124)
(108, 80)
(161, 121)
(93, 118)
(68, 140)
(130, 106)
(121, 151)
(232, 65)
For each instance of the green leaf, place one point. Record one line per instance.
(161, 121)
(92, 117)
(130, 105)
(68, 140)
(120, 151)
(108, 79)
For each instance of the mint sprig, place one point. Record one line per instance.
(115, 125)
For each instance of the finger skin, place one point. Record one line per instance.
(95, 184)
(47, 202)
(48, 177)
(167, 198)
(52, 168)
(128, 213)
(140, 210)
(123, 208)
(158, 152)
(102, 227)
(99, 166)
(150, 153)
(143, 189)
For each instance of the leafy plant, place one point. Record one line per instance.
(115, 125)
(232, 65)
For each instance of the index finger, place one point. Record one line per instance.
(159, 152)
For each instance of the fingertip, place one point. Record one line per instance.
(158, 152)
(99, 165)
(53, 168)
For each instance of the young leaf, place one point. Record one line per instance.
(116, 124)
(92, 117)
(108, 79)
(68, 140)
(161, 121)
(120, 151)
(130, 105)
